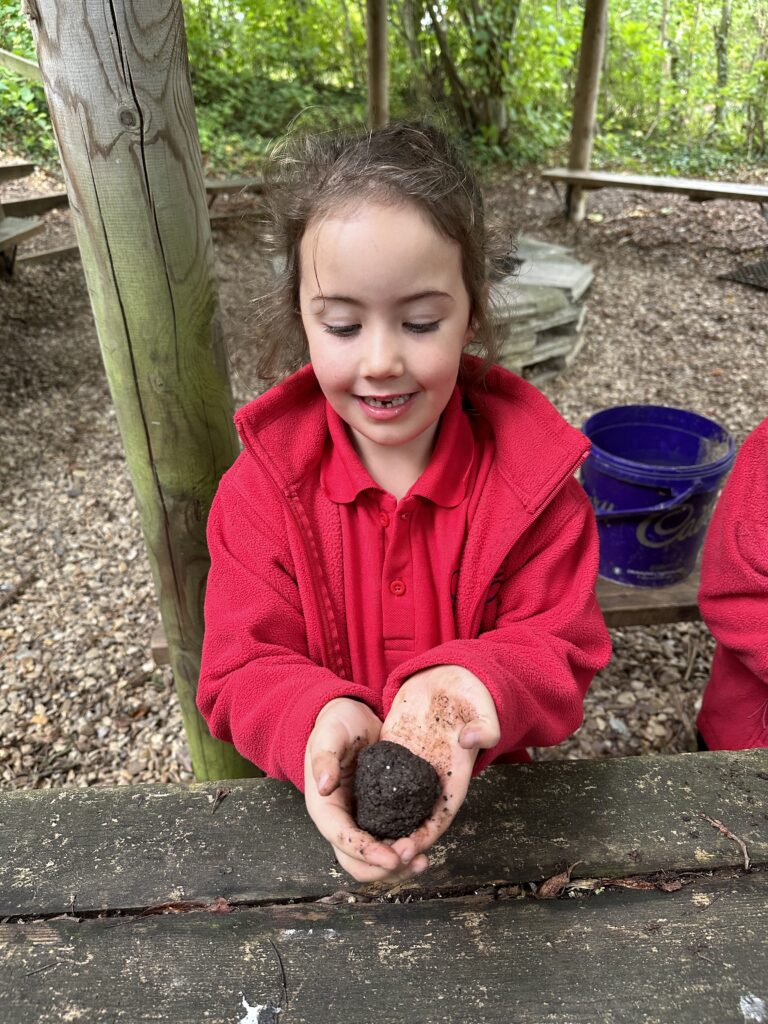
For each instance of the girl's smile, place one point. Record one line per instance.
(387, 315)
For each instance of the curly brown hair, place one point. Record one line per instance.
(309, 175)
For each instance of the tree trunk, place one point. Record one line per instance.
(585, 102)
(378, 70)
(462, 102)
(117, 82)
(721, 54)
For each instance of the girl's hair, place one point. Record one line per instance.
(308, 176)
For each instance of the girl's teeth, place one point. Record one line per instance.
(378, 403)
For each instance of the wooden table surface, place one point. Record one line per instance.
(219, 902)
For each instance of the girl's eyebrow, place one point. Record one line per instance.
(429, 294)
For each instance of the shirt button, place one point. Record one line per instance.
(404, 515)
(383, 518)
(397, 587)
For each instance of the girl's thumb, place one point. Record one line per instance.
(478, 733)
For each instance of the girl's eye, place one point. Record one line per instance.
(342, 332)
(422, 328)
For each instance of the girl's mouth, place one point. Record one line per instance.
(385, 408)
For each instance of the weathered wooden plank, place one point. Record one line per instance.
(698, 956)
(14, 230)
(136, 846)
(49, 256)
(214, 186)
(694, 187)
(647, 606)
(30, 205)
(9, 172)
(22, 66)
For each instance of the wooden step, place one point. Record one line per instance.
(17, 229)
(29, 205)
(9, 172)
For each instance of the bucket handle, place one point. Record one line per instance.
(676, 499)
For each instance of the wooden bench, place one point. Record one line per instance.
(221, 902)
(696, 189)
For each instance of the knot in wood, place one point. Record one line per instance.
(127, 117)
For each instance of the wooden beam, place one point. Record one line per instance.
(693, 956)
(585, 100)
(117, 82)
(698, 189)
(22, 66)
(378, 69)
(134, 846)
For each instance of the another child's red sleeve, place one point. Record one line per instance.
(550, 637)
(258, 688)
(733, 596)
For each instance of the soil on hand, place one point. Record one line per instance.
(395, 790)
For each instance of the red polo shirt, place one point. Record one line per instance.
(400, 558)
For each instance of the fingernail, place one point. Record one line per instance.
(472, 738)
(324, 781)
(407, 857)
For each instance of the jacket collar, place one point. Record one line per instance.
(444, 482)
(536, 448)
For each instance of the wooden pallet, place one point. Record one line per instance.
(221, 902)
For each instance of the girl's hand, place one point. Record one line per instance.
(445, 715)
(341, 730)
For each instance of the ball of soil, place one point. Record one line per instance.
(395, 790)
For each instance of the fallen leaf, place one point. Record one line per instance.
(551, 887)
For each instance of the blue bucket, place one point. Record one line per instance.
(652, 476)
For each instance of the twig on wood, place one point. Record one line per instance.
(221, 794)
(727, 832)
(45, 967)
(283, 981)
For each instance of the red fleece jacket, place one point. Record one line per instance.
(733, 598)
(275, 649)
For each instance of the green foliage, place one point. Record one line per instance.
(502, 71)
(25, 126)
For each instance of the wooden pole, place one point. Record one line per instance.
(585, 100)
(117, 82)
(378, 69)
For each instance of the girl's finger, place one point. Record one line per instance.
(337, 826)
(326, 772)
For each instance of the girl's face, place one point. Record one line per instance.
(386, 315)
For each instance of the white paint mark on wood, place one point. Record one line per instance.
(753, 1009)
(255, 1014)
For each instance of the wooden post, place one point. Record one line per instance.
(378, 69)
(117, 82)
(585, 100)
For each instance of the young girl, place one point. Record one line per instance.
(401, 551)
(733, 598)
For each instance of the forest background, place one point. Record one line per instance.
(684, 82)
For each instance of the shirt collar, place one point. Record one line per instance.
(444, 482)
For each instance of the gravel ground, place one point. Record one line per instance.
(81, 702)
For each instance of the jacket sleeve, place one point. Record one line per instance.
(733, 596)
(549, 638)
(258, 687)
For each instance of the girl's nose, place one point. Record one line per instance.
(381, 356)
